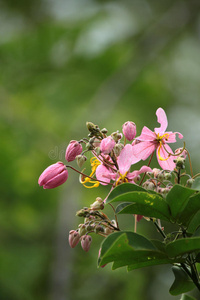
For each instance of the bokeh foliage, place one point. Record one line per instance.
(64, 63)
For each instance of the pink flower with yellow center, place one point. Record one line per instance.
(150, 141)
(122, 174)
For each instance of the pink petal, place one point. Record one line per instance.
(102, 173)
(146, 135)
(166, 164)
(143, 169)
(162, 119)
(57, 180)
(172, 136)
(126, 159)
(144, 149)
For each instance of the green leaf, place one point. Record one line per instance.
(187, 297)
(190, 209)
(123, 189)
(182, 282)
(196, 184)
(177, 198)
(194, 223)
(143, 203)
(183, 246)
(132, 250)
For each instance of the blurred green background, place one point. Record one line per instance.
(62, 63)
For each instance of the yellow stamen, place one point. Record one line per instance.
(122, 178)
(159, 139)
(94, 164)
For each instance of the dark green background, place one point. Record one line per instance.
(63, 63)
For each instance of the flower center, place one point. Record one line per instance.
(122, 178)
(161, 140)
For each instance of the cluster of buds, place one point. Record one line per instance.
(95, 221)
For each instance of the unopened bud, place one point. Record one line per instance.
(74, 238)
(82, 213)
(99, 228)
(118, 148)
(82, 229)
(129, 130)
(86, 241)
(116, 136)
(80, 160)
(168, 176)
(98, 204)
(73, 149)
(190, 182)
(107, 145)
(180, 162)
(183, 153)
(104, 130)
(108, 230)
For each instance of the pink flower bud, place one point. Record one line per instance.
(53, 176)
(107, 145)
(73, 149)
(74, 238)
(86, 241)
(129, 130)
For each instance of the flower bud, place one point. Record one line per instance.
(107, 145)
(129, 130)
(116, 136)
(98, 204)
(83, 213)
(180, 162)
(82, 229)
(73, 149)
(118, 148)
(183, 153)
(86, 241)
(99, 228)
(80, 160)
(74, 238)
(190, 182)
(53, 176)
(168, 176)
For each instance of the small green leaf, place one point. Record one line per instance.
(183, 246)
(177, 198)
(182, 282)
(196, 184)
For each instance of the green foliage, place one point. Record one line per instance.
(182, 282)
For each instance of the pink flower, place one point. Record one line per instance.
(158, 140)
(73, 149)
(53, 176)
(129, 130)
(74, 238)
(123, 174)
(86, 241)
(107, 145)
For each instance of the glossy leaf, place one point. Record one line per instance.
(178, 198)
(132, 250)
(190, 210)
(194, 223)
(183, 246)
(182, 282)
(143, 203)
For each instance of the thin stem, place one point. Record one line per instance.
(147, 166)
(87, 175)
(190, 162)
(159, 228)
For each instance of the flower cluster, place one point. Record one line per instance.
(112, 163)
